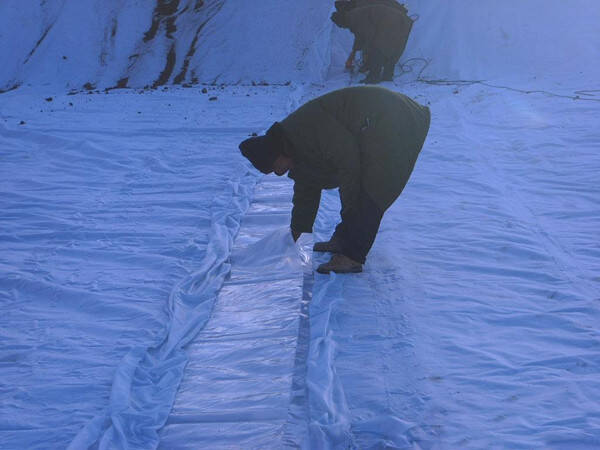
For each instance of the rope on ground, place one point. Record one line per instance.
(406, 67)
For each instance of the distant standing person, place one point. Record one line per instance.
(381, 31)
(364, 140)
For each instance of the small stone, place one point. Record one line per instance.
(212, 99)
(49, 99)
(22, 122)
(204, 90)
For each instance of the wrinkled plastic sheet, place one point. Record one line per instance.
(238, 386)
(478, 306)
(93, 236)
(93, 355)
(475, 321)
(147, 379)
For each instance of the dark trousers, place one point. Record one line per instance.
(376, 62)
(359, 228)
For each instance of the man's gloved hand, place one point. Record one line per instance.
(295, 234)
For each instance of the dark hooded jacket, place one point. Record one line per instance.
(358, 138)
(381, 27)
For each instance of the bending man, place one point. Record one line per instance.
(364, 140)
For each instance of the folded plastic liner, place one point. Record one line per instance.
(237, 388)
(147, 380)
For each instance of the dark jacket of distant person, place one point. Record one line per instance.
(380, 27)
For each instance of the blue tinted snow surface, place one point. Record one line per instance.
(133, 318)
(151, 295)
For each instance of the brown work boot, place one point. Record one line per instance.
(340, 264)
(333, 245)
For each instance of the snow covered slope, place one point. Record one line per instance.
(98, 43)
(533, 41)
(108, 43)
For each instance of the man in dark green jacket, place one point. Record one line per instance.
(364, 140)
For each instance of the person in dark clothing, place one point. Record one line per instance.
(345, 6)
(381, 31)
(364, 140)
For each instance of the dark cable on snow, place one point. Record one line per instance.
(407, 68)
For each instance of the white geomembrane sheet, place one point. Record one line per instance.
(151, 295)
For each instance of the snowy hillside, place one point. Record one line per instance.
(152, 297)
(110, 43)
(538, 41)
(98, 43)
